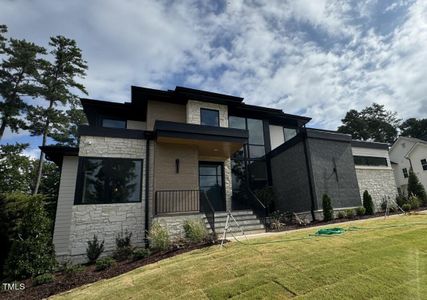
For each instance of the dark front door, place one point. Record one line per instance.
(211, 181)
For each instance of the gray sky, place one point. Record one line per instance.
(316, 58)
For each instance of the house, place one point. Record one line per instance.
(169, 156)
(409, 153)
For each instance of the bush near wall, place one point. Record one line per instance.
(159, 237)
(328, 211)
(367, 203)
(415, 188)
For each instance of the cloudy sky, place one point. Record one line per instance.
(316, 58)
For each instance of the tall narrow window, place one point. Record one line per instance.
(108, 180)
(209, 117)
(405, 173)
(424, 164)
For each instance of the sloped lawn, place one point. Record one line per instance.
(382, 259)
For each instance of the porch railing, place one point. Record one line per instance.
(177, 201)
(258, 207)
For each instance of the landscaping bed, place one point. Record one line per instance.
(63, 283)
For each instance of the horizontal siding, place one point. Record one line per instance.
(67, 188)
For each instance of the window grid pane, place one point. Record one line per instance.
(209, 117)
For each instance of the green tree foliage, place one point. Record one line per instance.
(32, 251)
(57, 84)
(328, 211)
(367, 203)
(18, 73)
(372, 123)
(66, 133)
(415, 188)
(416, 128)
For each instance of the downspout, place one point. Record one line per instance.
(147, 187)
(308, 165)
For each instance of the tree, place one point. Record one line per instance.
(416, 128)
(18, 70)
(372, 123)
(67, 134)
(415, 188)
(367, 203)
(328, 211)
(16, 169)
(57, 82)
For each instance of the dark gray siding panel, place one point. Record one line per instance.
(290, 179)
(341, 186)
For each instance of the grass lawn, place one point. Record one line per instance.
(383, 259)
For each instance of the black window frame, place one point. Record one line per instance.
(210, 110)
(424, 164)
(113, 119)
(405, 173)
(78, 194)
(370, 161)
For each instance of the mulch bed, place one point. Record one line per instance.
(290, 227)
(89, 275)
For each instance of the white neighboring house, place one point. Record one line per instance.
(407, 153)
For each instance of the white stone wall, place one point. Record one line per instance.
(174, 224)
(107, 220)
(378, 182)
(193, 112)
(228, 183)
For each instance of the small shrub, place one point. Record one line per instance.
(360, 211)
(69, 270)
(158, 237)
(141, 253)
(401, 200)
(416, 188)
(124, 248)
(267, 196)
(195, 231)
(349, 213)
(104, 263)
(328, 211)
(94, 249)
(43, 279)
(340, 215)
(414, 202)
(406, 207)
(367, 203)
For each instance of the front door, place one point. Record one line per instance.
(211, 181)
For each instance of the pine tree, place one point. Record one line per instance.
(367, 203)
(416, 188)
(328, 211)
(56, 80)
(18, 70)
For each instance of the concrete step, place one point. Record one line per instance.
(245, 228)
(238, 218)
(235, 213)
(240, 222)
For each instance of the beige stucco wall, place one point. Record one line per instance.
(164, 111)
(193, 112)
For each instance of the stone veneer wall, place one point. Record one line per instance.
(174, 224)
(107, 220)
(193, 112)
(378, 182)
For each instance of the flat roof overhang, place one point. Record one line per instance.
(55, 153)
(210, 140)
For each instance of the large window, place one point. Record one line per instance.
(209, 117)
(113, 123)
(424, 164)
(370, 161)
(108, 180)
(289, 133)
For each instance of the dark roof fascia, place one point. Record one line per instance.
(55, 153)
(329, 135)
(200, 132)
(370, 145)
(194, 94)
(142, 95)
(86, 130)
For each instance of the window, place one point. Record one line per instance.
(424, 164)
(108, 180)
(112, 123)
(209, 117)
(289, 133)
(405, 173)
(370, 161)
(237, 122)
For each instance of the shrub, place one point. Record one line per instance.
(406, 207)
(141, 253)
(43, 279)
(104, 263)
(360, 211)
(349, 213)
(367, 203)
(340, 215)
(158, 237)
(69, 270)
(94, 249)
(414, 202)
(195, 231)
(123, 246)
(328, 211)
(267, 197)
(32, 252)
(401, 200)
(415, 188)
